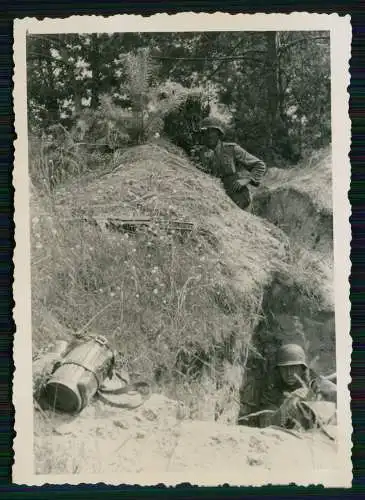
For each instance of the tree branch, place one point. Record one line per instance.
(283, 48)
(233, 50)
(51, 38)
(226, 58)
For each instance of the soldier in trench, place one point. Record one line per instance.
(238, 169)
(293, 383)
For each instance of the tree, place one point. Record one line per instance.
(264, 80)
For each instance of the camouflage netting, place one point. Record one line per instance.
(182, 309)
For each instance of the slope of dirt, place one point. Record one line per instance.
(299, 201)
(188, 313)
(174, 306)
(299, 306)
(157, 439)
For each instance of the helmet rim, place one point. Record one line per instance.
(292, 363)
(291, 355)
(212, 124)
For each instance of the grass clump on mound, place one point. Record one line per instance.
(45, 234)
(177, 307)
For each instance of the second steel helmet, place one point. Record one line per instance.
(291, 354)
(212, 123)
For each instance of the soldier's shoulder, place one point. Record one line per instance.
(231, 145)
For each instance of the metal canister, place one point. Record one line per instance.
(44, 366)
(79, 376)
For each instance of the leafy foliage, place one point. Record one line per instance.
(181, 124)
(137, 85)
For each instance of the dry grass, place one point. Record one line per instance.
(57, 160)
(181, 311)
(173, 307)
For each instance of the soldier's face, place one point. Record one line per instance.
(290, 373)
(211, 137)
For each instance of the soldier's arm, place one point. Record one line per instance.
(270, 404)
(325, 388)
(254, 165)
(199, 156)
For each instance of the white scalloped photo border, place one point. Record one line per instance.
(340, 33)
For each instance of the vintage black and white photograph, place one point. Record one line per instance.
(181, 227)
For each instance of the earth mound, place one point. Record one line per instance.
(179, 306)
(195, 298)
(299, 201)
(195, 294)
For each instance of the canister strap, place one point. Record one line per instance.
(85, 368)
(143, 388)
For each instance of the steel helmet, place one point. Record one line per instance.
(212, 123)
(291, 354)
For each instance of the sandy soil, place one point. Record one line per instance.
(156, 438)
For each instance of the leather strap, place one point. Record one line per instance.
(142, 388)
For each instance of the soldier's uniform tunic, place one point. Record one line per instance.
(230, 163)
(274, 397)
